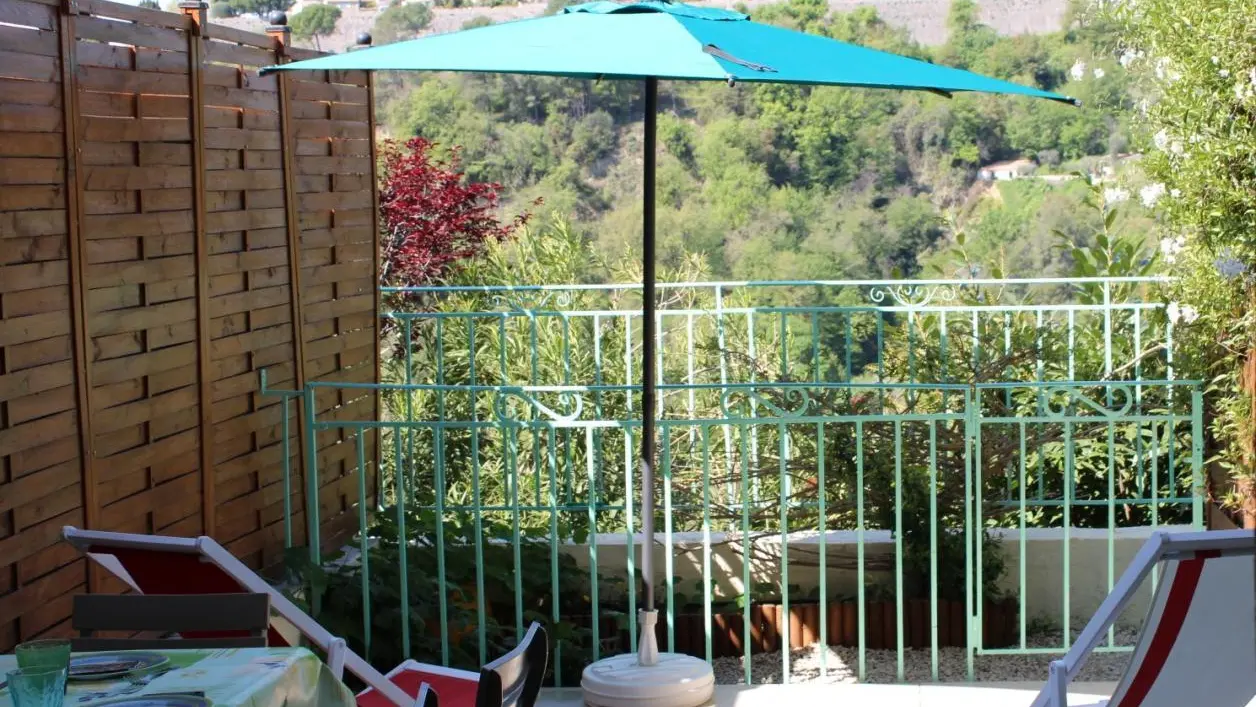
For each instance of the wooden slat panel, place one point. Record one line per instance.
(102, 178)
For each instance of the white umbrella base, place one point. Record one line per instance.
(674, 681)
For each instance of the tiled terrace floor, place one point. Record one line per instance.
(940, 695)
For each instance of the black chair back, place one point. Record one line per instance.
(514, 680)
(243, 618)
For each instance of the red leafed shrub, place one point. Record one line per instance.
(433, 217)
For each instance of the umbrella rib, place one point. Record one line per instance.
(721, 54)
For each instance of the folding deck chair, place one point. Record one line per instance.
(1198, 643)
(155, 564)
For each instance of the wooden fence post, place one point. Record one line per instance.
(364, 41)
(282, 35)
(197, 12)
(78, 267)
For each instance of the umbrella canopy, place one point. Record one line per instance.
(664, 40)
(651, 40)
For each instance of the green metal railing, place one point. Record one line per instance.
(922, 430)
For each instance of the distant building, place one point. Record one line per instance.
(1003, 171)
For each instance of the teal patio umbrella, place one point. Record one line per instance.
(647, 41)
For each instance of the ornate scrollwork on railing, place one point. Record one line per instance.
(911, 295)
(741, 402)
(1113, 401)
(527, 301)
(510, 403)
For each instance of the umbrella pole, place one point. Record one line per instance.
(629, 679)
(648, 371)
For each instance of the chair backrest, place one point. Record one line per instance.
(244, 618)
(426, 697)
(1199, 638)
(514, 680)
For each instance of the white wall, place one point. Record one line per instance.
(1044, 589)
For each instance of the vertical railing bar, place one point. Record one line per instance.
(691, 372)
(311, 482)
(287, 475)
(745, 550)
(1024, 587)
(569, 460)
(815, 357)
(534, 378)
(728, 430)
(409, 367)
(515, 531)
(551, 458)
(933, 549)
(783, 454)
(880, 360)
(1068, 522)
(629, 490)
(1140, 471)
(824, 574)
(706, 538)
(859, 550)
(364, 545)
(898, 548)
(1155, 491)
(481, 627)
(972, 411)
(1072, 340)
(1197, 458)
(1039, 372)
(979, 476)
(754, 404)
(403, 542)
(668, 555)
(438, 447)
(911, 355)
(592, 511)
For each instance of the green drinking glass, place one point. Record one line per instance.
(44, 653)
(37, 687)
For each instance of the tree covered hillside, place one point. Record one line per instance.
(800, 182)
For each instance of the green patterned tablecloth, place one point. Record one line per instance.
(239, 677)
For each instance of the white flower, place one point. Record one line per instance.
(1176, 148)
(1224, 73)
(1161, 140)
(1099, 73)
(1115, 195)
(1078, 70)
(1241, 92)
(1171, 247)
(1150, 194)
(1175, 193)
(1216, 60)
(1181, 313)
(1127, 58)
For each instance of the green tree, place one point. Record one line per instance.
(261, 8)
(969, 38)
(477, 21)
(315, 21)
(150, 4)
(400, 22)
(1196, 63)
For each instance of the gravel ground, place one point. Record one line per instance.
(843, 665)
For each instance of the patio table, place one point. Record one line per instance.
(235, 677)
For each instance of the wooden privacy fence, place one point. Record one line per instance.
(170, 224)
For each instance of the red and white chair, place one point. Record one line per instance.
(156, 564)
(1198, 644)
